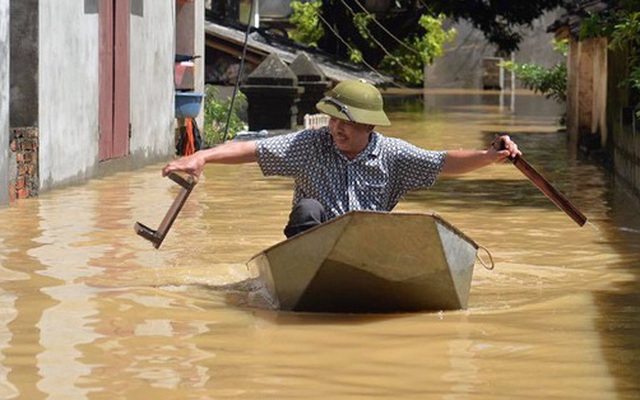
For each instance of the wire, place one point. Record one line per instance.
(394, 37)
(350, 47)
(400, 63)
(384, 49)
(237, 85)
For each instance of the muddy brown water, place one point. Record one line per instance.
(91, 311)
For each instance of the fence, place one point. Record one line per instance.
(626, 154)
(313, 121)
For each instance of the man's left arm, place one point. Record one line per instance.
(462, 161)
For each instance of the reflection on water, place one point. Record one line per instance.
(90, 310)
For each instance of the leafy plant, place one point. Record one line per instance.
(305, 19)
(549, 82)
(216, 113)
(361, 21)
(626, 35)
(355, 55)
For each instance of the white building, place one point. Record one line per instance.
(90, 86)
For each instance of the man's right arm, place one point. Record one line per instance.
(227, 153)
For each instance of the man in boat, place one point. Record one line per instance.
(346, 165)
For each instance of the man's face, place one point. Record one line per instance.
(350, 137)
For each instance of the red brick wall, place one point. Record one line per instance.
(23, 160)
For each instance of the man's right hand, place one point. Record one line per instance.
(192, 165)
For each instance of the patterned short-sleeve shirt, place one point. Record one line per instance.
(375, 180)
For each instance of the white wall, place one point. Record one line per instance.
(152, 64)
(4, 102)
(69, 89)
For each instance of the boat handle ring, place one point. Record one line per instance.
(484, 264)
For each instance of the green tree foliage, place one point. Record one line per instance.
(308, 29)
(216, 113)
(408, 62)
(625, 35)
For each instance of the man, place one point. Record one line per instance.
(347, 165)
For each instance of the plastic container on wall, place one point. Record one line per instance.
(188, 104)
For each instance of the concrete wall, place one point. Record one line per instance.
(461, 65)
(4, 102)
(69, 89)
(68, 92)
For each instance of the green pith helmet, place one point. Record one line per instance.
(355, 101)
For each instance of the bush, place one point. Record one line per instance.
(216, 113)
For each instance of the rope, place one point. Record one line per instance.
(484, 264)
(190, 146)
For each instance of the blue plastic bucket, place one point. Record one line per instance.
(188, 104)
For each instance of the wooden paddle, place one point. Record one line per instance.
(547, 188)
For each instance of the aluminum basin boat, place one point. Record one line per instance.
(370, 262)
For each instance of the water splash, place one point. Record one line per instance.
(594, 226)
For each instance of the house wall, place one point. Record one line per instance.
(68, 88)
(4, 102)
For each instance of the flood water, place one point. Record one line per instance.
(89, 310)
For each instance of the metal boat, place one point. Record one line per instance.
(370, 262)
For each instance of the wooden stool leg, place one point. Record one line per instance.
(157, 236)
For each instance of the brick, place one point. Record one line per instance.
(12, 193)
(19, 183)
(23, 193)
